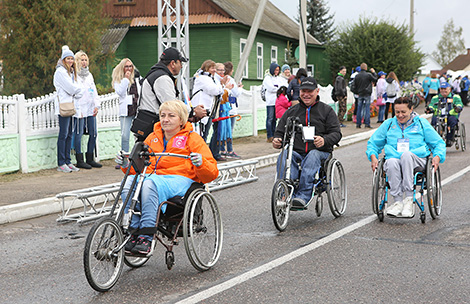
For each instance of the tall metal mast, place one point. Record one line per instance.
(174, 31)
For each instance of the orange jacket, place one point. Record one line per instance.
(184, 142)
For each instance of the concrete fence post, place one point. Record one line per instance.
(254, 109)
(22, 120)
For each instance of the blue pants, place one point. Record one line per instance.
(381, 113)
(310, 164)
(270, 120)
(80, 124)
(213, 145)
(64, 140)
(155, 190)
(363, 110)
(126, 122)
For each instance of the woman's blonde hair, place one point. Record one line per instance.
(118, 72)
(178, 107)
(78, 57)
(392, 75)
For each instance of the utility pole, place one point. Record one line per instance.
(412, 16)
(249, 41)
(303, 34)
(177, 24)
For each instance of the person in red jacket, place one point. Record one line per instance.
(168, 176)
(282, 103)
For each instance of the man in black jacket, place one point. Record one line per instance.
(363, 88)
(310, 152)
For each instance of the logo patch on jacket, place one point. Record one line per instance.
(179, 142)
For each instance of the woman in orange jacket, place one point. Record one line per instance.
(169, 176)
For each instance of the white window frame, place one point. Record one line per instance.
(311, 70)
(273, 58)
(259, 61)
(242, 46)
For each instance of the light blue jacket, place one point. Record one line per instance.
(423, 139)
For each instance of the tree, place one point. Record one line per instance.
(319, 23)
(450, 45)
(383, 46)
(32, 33)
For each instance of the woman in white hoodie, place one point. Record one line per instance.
(68, 90)
(87, 109)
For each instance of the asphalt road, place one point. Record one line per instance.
(354, 258)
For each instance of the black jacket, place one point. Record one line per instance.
(322, 117)
(363, 83)
(340, 86)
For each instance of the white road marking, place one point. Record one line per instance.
(205, 294)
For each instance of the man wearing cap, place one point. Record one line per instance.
(363, 87)
(381, 88)
(341, 94)
(446, 103)
(159, 86)
(309, 153)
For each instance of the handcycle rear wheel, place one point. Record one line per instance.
(336, 188)
(378, 190)
(102, 264)
(434, 190)
(202, 230)
(280, 204)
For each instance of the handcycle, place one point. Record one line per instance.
(194, 217)
(442, 128)
(330, 178)
(426, 178)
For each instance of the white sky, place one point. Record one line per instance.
(430, 15)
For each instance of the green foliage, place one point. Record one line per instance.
(319, 23)
(32, 34)
(383, 46)
(450, 45)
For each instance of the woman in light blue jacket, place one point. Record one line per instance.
(68, 90)
(407, 140)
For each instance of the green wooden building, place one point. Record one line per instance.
(217, 30)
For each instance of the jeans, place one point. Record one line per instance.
(64, 140)
(155, 190)
(381, 115)
(310, 164)
(363, 110)
(207, 128)
(270, 120)
(80, 124)
(214, 144)
(126, 122)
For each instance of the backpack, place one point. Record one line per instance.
(391, 90)
(333, 95)
(263, 93)
(462, 84)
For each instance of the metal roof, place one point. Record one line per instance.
(273, 21)
(193, 19)
(113, 36)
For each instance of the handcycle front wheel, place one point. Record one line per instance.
(103, 265)
(202, 230)
(336, 187)
(280, 204)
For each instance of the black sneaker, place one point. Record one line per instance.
(131, 243)
(142, 246)
(298, 203)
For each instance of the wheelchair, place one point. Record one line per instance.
(426, 178)
(194, 217)
(442, 129)
(330, 178)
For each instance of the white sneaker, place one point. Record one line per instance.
(73, 168)
(64, 168)
(408, 207)
(395, 209)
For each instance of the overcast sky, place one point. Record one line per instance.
(430, 15)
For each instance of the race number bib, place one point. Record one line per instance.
(403, 144)
(308, 133)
